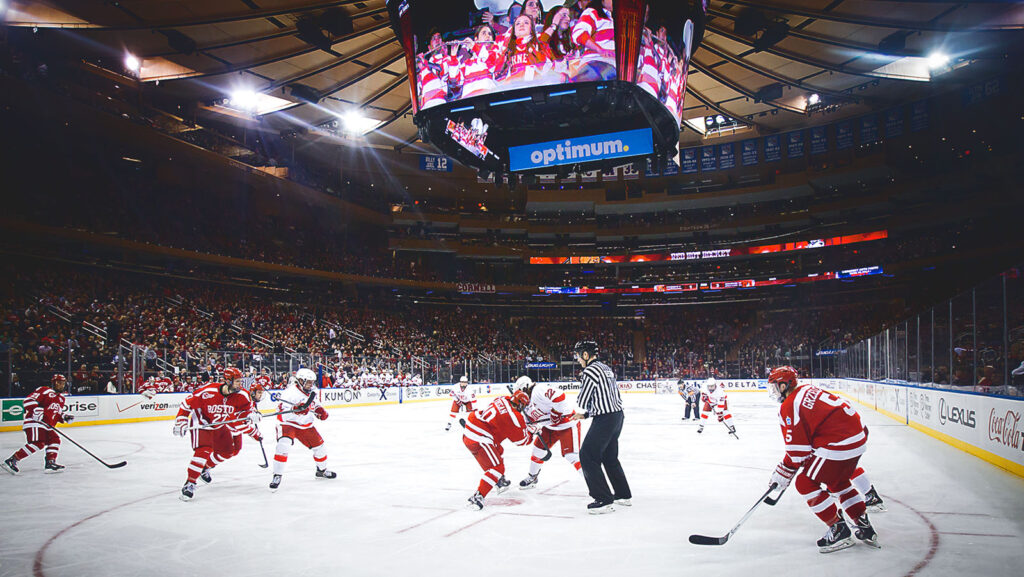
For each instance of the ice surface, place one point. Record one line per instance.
(397, 508)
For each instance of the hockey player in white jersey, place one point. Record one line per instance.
(552, 410)
(298, 426)
(462, 398)
(715, 400)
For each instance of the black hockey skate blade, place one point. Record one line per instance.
(705, 540)
(117, 465)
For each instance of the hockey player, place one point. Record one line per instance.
(690, 392)
(44, 408)
(551, 407)
(485, 431)
(825, 438)
(716, 400)
(217, 414)
(298, 426)
(461, 398)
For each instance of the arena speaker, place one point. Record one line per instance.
(305, 93)
(310, 32)
(337, 22)
(179, 41)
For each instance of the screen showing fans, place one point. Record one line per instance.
(467, 48)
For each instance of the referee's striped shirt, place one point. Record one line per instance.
(599, 394)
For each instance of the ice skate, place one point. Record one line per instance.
(502, 485)
(600, 507)
(873, 501)
(275, 482)
(700, 429)
(51, 466)
(205, 475)
(448, 427)
(188, 491)
(732, 431)
(865, 532)
(476, 502)
(836, 538)
(530, 482)
(624, 502)
(11, 466)
(325, 474)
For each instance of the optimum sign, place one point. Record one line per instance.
(580, 150)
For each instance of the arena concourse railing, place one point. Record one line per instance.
(972, 342)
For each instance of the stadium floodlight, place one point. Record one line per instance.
(937, 60)
(709, 120)
(244, 100)
(131, 62)
(813, 99)
(720, 119)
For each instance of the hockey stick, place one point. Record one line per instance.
(771, 502)
(266, 463)
(707, 540)
(72, 441)
(301, 407)
(547, 449)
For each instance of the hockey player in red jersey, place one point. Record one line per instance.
(824, 440)
(485, 431)
(217, 415)
(461, 399)
(44, 408)
(298, 426)
(552, 411)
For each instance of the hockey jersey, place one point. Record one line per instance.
(715, 398)
(548, 402)
(463, 398)
(593, 26)
(44, 406)
(819, 422)
(292, 397)
(207, 406)
(499, 421)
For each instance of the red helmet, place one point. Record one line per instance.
(781, 376)
(256, 387)
(57, 378)
(232, 373)
(519, 400)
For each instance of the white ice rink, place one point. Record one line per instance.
(397, 508)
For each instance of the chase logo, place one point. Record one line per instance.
(580, 150)
(13, 410)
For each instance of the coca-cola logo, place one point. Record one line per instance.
(955, 414)
(1003, 428)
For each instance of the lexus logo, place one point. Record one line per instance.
(955, 414)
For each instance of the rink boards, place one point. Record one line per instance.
(116, 409)
(986, 426)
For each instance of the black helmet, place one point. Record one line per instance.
(589, 347)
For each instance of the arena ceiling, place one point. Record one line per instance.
(758, 63)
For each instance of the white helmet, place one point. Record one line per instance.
(305, 377)
(522, 384)
(463, 382)
(711, 384)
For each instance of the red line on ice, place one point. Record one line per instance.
(933, 545)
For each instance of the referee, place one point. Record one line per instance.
(599, 398)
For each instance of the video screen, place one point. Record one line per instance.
(468, 48)
(499, 45)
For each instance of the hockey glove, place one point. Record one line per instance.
(320, 412)
(67, 417)
(180, 427)
(254, 417)
(782, 476)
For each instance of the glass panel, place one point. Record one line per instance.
(942, 360)
(991, 353)
(926, 342)
(963, 341)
